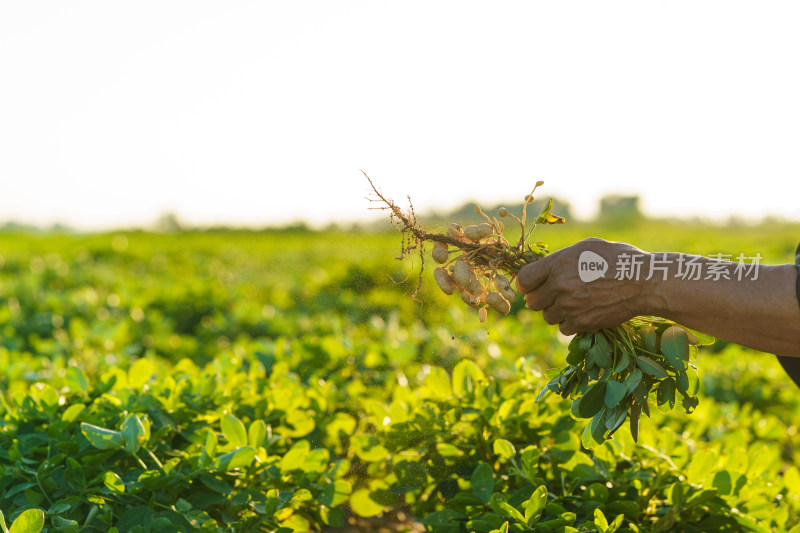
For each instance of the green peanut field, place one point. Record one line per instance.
(285, 381)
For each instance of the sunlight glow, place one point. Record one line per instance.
(256, 113)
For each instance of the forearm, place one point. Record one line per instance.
(761, 313)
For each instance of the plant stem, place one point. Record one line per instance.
(44, 492)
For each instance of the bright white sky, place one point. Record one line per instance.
(262, 112)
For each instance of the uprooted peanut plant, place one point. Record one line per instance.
(611, 375)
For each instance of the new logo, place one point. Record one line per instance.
(591, 266)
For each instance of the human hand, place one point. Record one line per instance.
(553, 285)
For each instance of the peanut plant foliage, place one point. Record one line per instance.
(286, 382)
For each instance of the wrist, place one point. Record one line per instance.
(654, 293)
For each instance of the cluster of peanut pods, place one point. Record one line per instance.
(479, 286)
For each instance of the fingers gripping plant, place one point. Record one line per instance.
(611, 375)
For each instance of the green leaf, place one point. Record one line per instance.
(295, 457)
(239, 458)
(140, 373)
(3, 522)
(511, 511)
(64, 525)
(791, 479)
(600, 520)
(572, 383)
(613, 526)
(438, 382)
(583, 384)
(693, 352)
(633, 380)
(723, 482)
(16, 489)
(317, 461)
(488, 522)
(234, 430)
(384, 497)
(689, 404)
(596, 492)
(215, 484)
(615, 391)
(576, 356)
(530, 461)
(675, 347)
(499, 504)
(702, 464)
(368, 448)
(465, 375)
(58, 508)
(504, 448)
(72, 412)
(645, 405)
(76, 380)
(551, 386)
(585, 340)
(448, 450)
(302, 495)
(594, 433)
(591, 402)
(257, 433)
(694, 382)
(587, 437)
(210, 447)
(482, 482)
(410, 476)
(555, 371)
(134, 433)
(443, 518)
(682, 381)
(335, 493)
(602, 342)
(545, 217)
(361, 504)
(698, 338)
(649, 338)
(535, 505)
(135, 515)
(102, 438)
(623, 363)
(30, 521)
(600, 353)
(332, 517)
(502, 529)
(616, 417)
(651, 367)
(665, 394)
(113, 482)
(74, 475)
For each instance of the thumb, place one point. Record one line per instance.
(533, 274)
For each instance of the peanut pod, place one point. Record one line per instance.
(455, 231)
(444, 280)
(469, 299)
(440, 252)
(473, 285)
(461, 273)
(504, 287)
(498, 303)
(476, 233)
